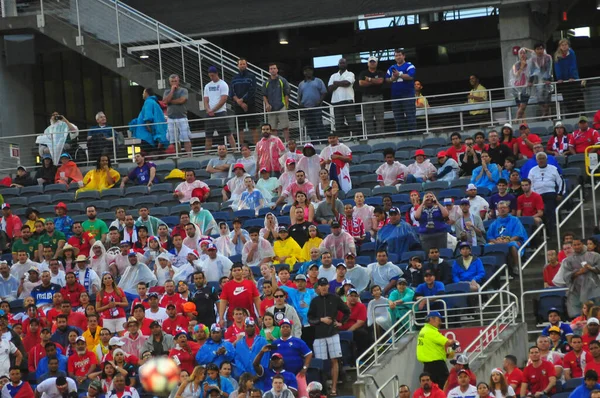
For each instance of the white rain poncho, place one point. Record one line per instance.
(264, 250)
(311, 165)
(55, 136)
(266, 231)
(224, 243)
(134, 274)
(101, 263)
(519, 76)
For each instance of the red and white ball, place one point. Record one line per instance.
(159, 375)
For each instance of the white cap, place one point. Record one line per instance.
(115, 341)
(373, 58)
(194, 200)
(593, 320)
(471, 186)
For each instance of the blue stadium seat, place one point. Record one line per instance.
(365, 191)
(359, 149)
(214, 182)
(483, 192)
(48, 210)
(10, 192)
(55, 188)
(401, 199)
(164, 187)
(32, 190)
(408, 145)
(381, 191)
(375, 201)
(407, 188)
(528, 223)
(446, 253)
(236, 258)
(7, 257)
(363, 260)
(366, 181)
(407, 255)
(256, 271)
(382, 146)
(150, 201)
(455, 288)
(359, 170)
(222, 216)
(571, 384)
(347, 343)
(17, 201)
(337, 261)
(435, 186)
(460, 183)
(393, 258)
(349, 201)
(244, 214)
(39, 199)
(127, 203)
(324, 229)
(171, 221)
(106, 216)
(405, 208)
(372, 158)
(499, 250)
(175, 210)
(210, 206)
(451, 193)
(550, 299)
(434, 142)
(402, 155)
(256, 222)
(168, 200)
(315, 371)
(135, 191)
(284, 220)
(367, 249)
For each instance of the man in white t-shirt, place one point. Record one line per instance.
(341, 156)
(340, 85)
(391, 173)
(156, 313)
(464, 388)
(215, 265)
(479, 206)
(56, 387)
(216, 93)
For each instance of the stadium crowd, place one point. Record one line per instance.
(243, 306)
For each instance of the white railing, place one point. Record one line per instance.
(395, 386)
(532, 292)
(595, 186)
(540, 230)
(579, 207)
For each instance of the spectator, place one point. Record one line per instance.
(257, 250)
(216, 93)
(268, 150)
(497, 150)
(502, 195)
(248, 160)
(25, 243)
(470, 159)
(300, 184)
(459, 363)
(242, 92)
(323, 316)
(339, 281)
(330, 209)
(478, 205)
(150, 126)
(593, 363)
(310, 163)
(421, 101)
(16, 388)
(421, 170)
(53, 238)
(100, 138)
(202, 218)
(357, 323)
(547, 181)
(191, 187)
(540, 76)
(477, 94)
(448, 169)
(311, 92)
(457, 149)
(68, 171)
(589, 387)
(401, 76)
(432, 228)
(468, 268)
(102, 177)
(523, 146)
(551, 269)
(519, 80)
(234, 188)
(81, 363)
(538, 376)
(583, 137)
(565, 69)
(58, 386)
(62, 222)
(400, 300)
(143, 174)
(580, 274)
(427, 388)
(176, 98)
(58, 137)
(514, 184)
(397, 234)
(276, 98)
(464, 388)
(575, 360)
(275, 380)
(414, 272)
(440, 267)
(340, 85)
(353, 225)
(531, 163)
(530, 204)
(9, 283)
(97, 227)
(22, 178)
(558, 145)
(159, 342)
(469, 227)
(249, 298)
(285, 312)
(46, 174)
(479, 142)
(287, 250)
(391, 172)
(219, 167)
(383, 273)
(507, 229)
(486, 175)
(300, 227)
(371, 82)
(339, 242)
(340, 155)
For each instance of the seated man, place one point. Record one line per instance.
(219, 167)
(486, 175)
(448, 169)
(383, 273)
(191, 188)
(100, 138)
(330, 209)
(530, 204)
(583, 137)
(467, 268)
(143, 174)
(507, 229)
(397, 234)
(391, 173)
(429, 288)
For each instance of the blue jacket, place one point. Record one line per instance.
(208, 353)
(243, 86)
(484, 180)
(566, 68)
(244, 356)
(151, 113)
(583, 392)
(222, 383)
(475, 271)
(42, 366)
(62, 338)
(300, 301)
(531, 163)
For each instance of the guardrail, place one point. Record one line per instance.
(544, 244)
(395, 388)
(579, 207)
(531, 292)
(595, 186)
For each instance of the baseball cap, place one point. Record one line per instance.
(419, 152)
(314, 386)
(341, 265)
(80, 338)
(434, 314)
(96, 385)
(34, 269)
(394, 210)
(211, 246)
(347, 282)
(282, 228)
(313, 266)
(558, 124)
(583, 119)
(555, 329)
(249, 321)
(350, 254)
(153, 294)
(171, 305)
(448, 201)
(373, 58)
(460, 359)
(322, 282)
(593, 320)
(523, 126)
(441, 154)
(401, 280)
(465, 201)
(238, 220)
(215, 327)
(350, 291)
(212, 69)
(300, 277)
(462, 371)
(60, 205)
(471, 187)
(117, 341)
(125, 242)
(5, 206)
(426, 273)
(131, 253)
(290, 161)
(154, 324)
(554, 309)
(285, 321)
(335, 224)
(264, 170)
(189, 308)
(276, 354)
(194, 200)
(507, 126)
(238, 166)
(464, 244)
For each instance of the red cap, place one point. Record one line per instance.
(441, 154)
(290, 161)
(60, 205)
(523, 125)
(238, 166)
(419, 152)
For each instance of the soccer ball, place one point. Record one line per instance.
(159, 375)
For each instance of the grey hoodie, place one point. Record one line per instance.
(285, 393)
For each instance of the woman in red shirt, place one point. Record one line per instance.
(507, 137)
(184, 353)
(110, 303)
(559, 142)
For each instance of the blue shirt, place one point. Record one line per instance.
(105, 131)
(310, 92)
(565, 328)
(496, 198)
(432, 221)
(43, 295)
(141, 175)
(424, 290)
(64, 224)
(293, 350)
(9, 287)
(402, 88)
(43, 365)
(265, 382)
(300, 301)
(251, 200)
(224, 384)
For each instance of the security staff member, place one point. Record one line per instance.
(431, 349)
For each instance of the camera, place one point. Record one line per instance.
(456, 345)
(58, 117)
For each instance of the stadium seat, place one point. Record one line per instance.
(407, 188)
(349, 202)
(101, 205)
(236, 258)
(20, 212)
(265, 210)
(393, 258)
(435, 186)
(284, 220)
(375, 201)
(79, 218)
(366, 181)
(360, 149)
(347, 343)
(17, 201)
(446, 253)
(32, 190)
(164, 187)
(451, 193)
(372, 158)
(573, 175)
(39, 199)
(499, 250)
(110, 194)
(324, 229)
(401, 199)
(381, 191)
(106, 216)
(408, 145)
(66, 197)
(10, 192)
(48, 211)
(127, 203)
(244, 214)
(528, 223)
(367, 249)
(365, 191)
(133, 213)
(55, 188)
(363, 260)
(168, 200)
(571, 384)
(435, 142)
(150, 201)
(171, 221)
(402, 155)
(563, 394)
(455, 288)
(88, 196)
(189, 164)
(256, 222)
(315, 371)
(483, 192)
(460, 183)
(210, 206)
(360, 170)
(177, 209)
(221, 216)
(7, 257)
(135, 191)
(382, 146)
(214, 182)
(408, 255)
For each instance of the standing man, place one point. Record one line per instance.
(581, 273)
(311, 93)
(340, 155)
(431, 349)
(276, 98)
(477, 94)
(340, 85)
(322, 315)
(401, 77)
(371, 81)
(243, 87)
(268, 151)
(176, 99)
(216, 93)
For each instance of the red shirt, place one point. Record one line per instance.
(78, 320)
(232, 332)
(516, 378)
(83, 243)
(51, 314)
(106, 299)
(538, 378)
(266, 303)
(240, 294)
(592, 365)
(72, 294)
(137, 301)
(174, 299)
(13, 226)
(574, 363)
(456, 153)
(80, 365)
(530, 205)
(582, 139)
(523, 148)
(586, 339)
(31, 340)
(357, 313)
(178, 230)
(354, 226)
(550, 272)
(186, 359)
(289, 283)
(145, 326)
(174, 326)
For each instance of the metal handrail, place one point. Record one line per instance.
(544, 244)
(529, 292)
(384, 385)
(578, 207)
(594, 188)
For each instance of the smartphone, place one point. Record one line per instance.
(272, 347)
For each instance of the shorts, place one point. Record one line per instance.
(543, 92)
(328, 345)
(114, 325)
(524, 99)
(521, 95)
(217, 123)
(246, 119)
(279, 120)
(179, 126)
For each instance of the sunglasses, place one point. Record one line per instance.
(279, 296)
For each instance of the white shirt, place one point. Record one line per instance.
(158, 316)
(457, 393)
(546, 180)
(328, 273)
(213, 91)
(342, 93)
(359, 276)
(48, 388)
(6, 348)
(330, 150)
(381, 275)
(59, 279)
(128, 393)
(390, 173)
(478, 204)
(217, 268)
(509, 393)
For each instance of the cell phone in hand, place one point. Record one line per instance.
(272, 347)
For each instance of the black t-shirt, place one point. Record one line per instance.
(372, 90)
(499, 154)
(299, 232)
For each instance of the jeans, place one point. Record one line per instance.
(313, 120)
(346, 113)
(405, 114)
(411, 179)
(371, 111)
(550, 203)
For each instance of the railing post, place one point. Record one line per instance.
(160, 68)
(200, 67)
(556, 101)
(222, 66)
(237, 133)
(183, 65)
(40, 18)
(491, 108)
(114, 145)
(426, 117)
(120, 60)
(364, 121)
(79, 38)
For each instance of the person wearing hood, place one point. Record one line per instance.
(22, 179)
(215, 266)
(150, 126)
(202, 217)
(588, 385)
(216, 349)
(508, 229)
(397, 234)
(148, 221)
(267, 185)
(183, 272)
(270, 231)
(310, 163)
(86, 276)
(163, 269)
(286, 250)
(192, 237)
(581, 273)
(235, 186)
(486, 175)
(257, 250)
(68, 171)
(136, 272)
(224, 243)
(421, 170)
(46, 174)
(279, 389)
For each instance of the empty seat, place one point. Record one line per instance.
(189, 164)
(32, 190)
(435, 186)
(101, 205)
(434, 142)
(66, 197)
(79, 218)
(177, 209)
(171, 221)
(149, 201)
(381, 191)
(349, 201)
(9, 192)
(408, 145)
(402, 155)
(87, 196)
(375, 201)
(244, 214)
(39, 199)
(366, 181)
(365, 191)
(222, 216)
(410, 187)
(46, 210)
(135, 191)
(401, 199)
(360, 170)
(127, 203)
(451, 193)
(210, 206)
(113, 193)
(17, 201)
(382, 146)
(214, 182)
(372, 158)
(250, 223)
(358, 149)
(164, 165)
(55, 188)
(164, 187)
(408, 255)
(159, 211)
(460, 183)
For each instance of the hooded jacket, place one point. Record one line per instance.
(48, 174)
(436, 392)
(583, 391)
(208, 353)
(100, 264)
(475, 271)
(291, 314)
(244, 356)
(327, 305)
